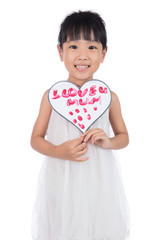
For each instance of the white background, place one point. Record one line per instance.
(29, 64)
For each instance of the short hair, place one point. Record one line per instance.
(83, 24)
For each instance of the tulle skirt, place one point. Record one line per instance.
(81, 200)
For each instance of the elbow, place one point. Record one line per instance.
(36, 141)
(33, 142)
(127, 140)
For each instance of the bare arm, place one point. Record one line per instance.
(98, 136)
(121, 138)
(38, 142)
(71, 150)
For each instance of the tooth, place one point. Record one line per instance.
(81, 67)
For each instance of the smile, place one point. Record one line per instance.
(82, 67)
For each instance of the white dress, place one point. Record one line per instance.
(80, 200)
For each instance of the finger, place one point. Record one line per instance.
(85, 133)
(77, 141)
(96, 137)
(82, 152)
(81, 159)
(87, 136)
(81, 146)
(90, 134)
(91, 130)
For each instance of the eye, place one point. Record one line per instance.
(92, 47)
(73, 47)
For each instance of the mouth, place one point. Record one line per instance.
(82, 68)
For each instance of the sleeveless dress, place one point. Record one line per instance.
(80, 200)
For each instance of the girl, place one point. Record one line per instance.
(80, 192)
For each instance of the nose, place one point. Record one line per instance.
(82, 55)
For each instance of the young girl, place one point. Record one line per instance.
(80, 193)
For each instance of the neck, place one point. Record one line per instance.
(79, 82)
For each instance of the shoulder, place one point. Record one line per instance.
(45, 96)
(45, 103)
(114, 98)
(115, 103)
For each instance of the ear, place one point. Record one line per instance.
(60, 51)
(104, 54)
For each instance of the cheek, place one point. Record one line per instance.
(67, 59)
(69, 64)
(97, 60)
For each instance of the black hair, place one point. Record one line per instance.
(82, 24)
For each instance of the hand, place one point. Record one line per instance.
(97, 136)
(73, 150)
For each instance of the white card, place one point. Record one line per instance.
(81, 106)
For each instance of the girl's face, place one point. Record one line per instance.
(82, 58)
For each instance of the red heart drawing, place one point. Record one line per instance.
(80, 106)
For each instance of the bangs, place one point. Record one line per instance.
(83, 25)
(81, 31)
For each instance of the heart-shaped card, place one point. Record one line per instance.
(81, 106)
